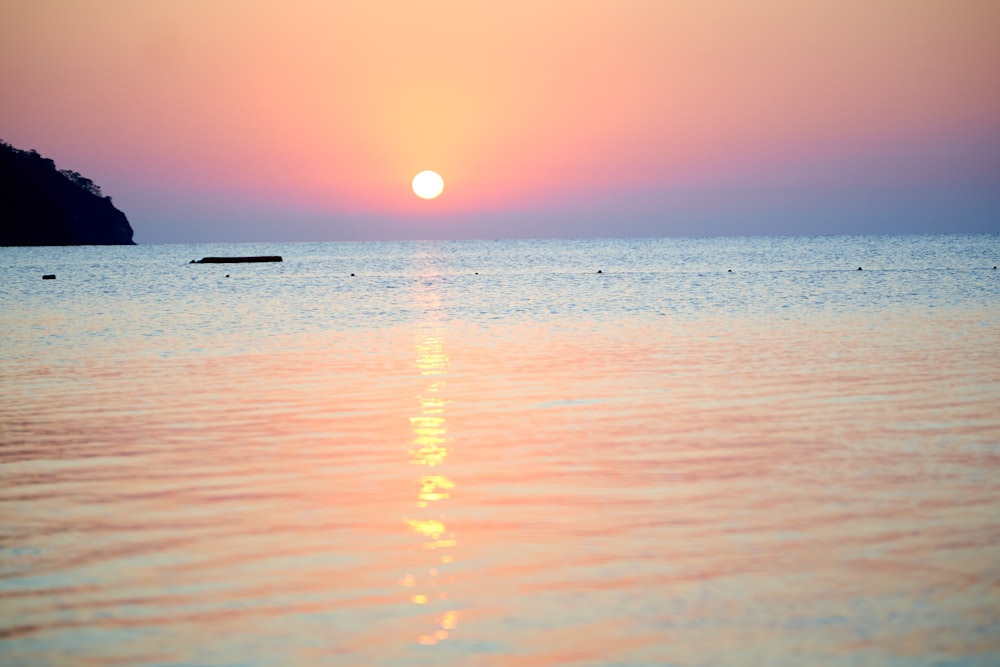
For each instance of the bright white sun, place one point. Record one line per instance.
(428, 184)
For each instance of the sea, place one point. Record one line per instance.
(577, 453)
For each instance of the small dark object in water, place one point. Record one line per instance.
(730, 270)
(859, 268)
(52, 276)
(599, 271)
(227, 275)
(237, 260)
(994, 268)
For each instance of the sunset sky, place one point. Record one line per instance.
(265, 120)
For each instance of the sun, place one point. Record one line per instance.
(428, 184)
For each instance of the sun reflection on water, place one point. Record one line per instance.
(429, 450)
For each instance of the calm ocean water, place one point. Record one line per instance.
(733, 452)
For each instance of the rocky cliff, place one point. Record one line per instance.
(41, 205)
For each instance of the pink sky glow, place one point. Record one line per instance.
(306, 120)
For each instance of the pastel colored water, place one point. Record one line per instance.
(487, 453)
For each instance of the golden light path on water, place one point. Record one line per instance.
(428, 452)
(487, 454)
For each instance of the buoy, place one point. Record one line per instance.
(52, 276)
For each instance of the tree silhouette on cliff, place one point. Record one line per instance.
(43, 205)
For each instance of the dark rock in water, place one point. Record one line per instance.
(236, 260)
(42, 205)
(49, 276)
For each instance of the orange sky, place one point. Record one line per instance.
(327, 109)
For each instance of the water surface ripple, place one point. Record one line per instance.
(711, 452)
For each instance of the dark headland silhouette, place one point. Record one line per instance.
(42, 205)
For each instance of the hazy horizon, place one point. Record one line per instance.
(305, 121)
